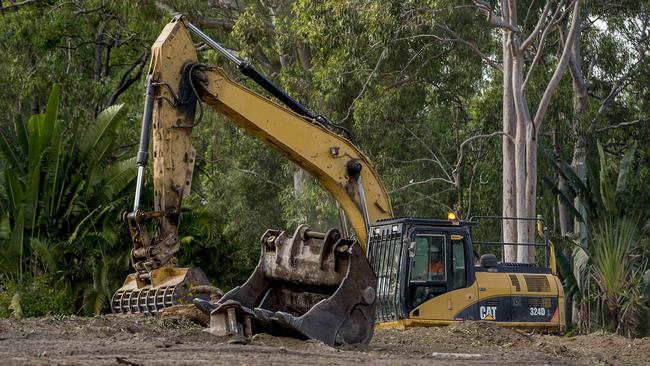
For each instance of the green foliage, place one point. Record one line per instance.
(204, 245)
(615, 258)
(35, 297)
(616, 271)
(66, 192)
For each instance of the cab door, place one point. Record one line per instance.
(464, 289)
(428, 272)
(435, 294)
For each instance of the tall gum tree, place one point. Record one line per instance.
(521, 127)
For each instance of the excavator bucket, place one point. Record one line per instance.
(163, 287)
(309, 285)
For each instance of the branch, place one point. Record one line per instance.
(128, 79)
(472, 46)
(538, 56)
(538, 27)
(365, 85)
(413, 183)
(246, 171)
(622, 124)
(16, 6)
(402, 81)
(258, 175)
(561, 67)
(228, 4)
(540, 47)
(88, 11)
(429, 197)
(493, 19)
(433, 154)
(616, 89)
(462, 146)
(166, 7)
(224, 24)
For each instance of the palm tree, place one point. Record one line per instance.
(64, 194)
(614, 259)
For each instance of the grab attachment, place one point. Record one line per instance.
(309, 285)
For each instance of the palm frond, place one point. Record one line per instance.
(32, 196)
(15, 251)
(7, 146)
(97, 139)
(117, 177)
(45, 254)
(46, 127)
(34, 141)
(568, 202)
(574, 182)
(14, 189)
(581, 267)
(56, 168)
(96, 297)
(607, 192)
(569, 281)
(5, 227)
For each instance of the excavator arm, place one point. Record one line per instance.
(309, 140)
(309, 284)
(330, 158)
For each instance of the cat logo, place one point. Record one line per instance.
(488, 312)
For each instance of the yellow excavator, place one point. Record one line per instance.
(394, 273)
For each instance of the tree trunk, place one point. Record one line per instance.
(523, 123)
(566, 226)
(299, 181)
(509, 182)
(527, 127)
(580, 100)
(99, 52)
(579, 86)
(531, 190)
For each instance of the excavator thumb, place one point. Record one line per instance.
(309, 285)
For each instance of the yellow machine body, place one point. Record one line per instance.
(493, 304)
(499, 292)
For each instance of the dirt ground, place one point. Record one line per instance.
(138, 340)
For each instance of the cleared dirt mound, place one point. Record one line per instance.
(138, 340)
(465, 337)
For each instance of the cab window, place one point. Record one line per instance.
(428, 264)
(428, 277)
(458, 262)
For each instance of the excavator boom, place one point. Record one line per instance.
(331, 158)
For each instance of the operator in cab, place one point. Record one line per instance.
(437, 264)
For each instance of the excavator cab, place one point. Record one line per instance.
(429, 273)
